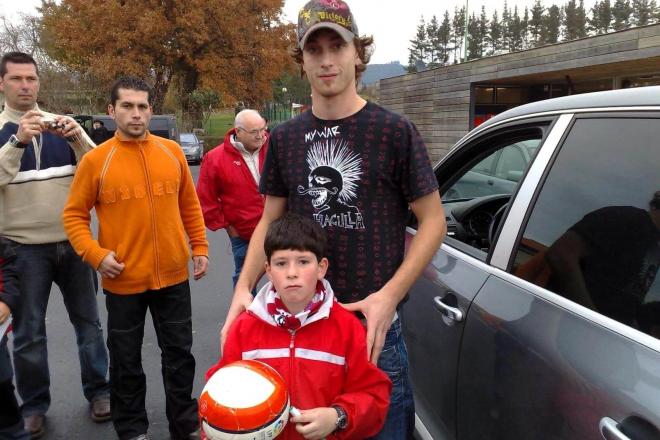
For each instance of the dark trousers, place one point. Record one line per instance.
(39, 266)
(11, 422)
(171, 314)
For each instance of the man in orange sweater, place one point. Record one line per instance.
(144, 196)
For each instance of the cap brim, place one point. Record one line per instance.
(342, 31)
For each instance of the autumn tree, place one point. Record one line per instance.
(232, 47)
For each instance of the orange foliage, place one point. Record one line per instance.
(236, 47)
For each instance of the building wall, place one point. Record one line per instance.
(438, 101)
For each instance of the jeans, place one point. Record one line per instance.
(400, 421)
(239, 247)
(171, 314)
(11, 422)
(38, 266)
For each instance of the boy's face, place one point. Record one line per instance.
(294, 275)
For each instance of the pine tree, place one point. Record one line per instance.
(524, 29)
(483, 31)
(536, 23)
(474, 43)
(506, 28)
(417, 52)
(495, 34)
(551, 25)
(458, 31)
(515, 31)
(621, 12)
(642, 12)
(581, 17)
(444, 38)
(433, 52)
(601, 17)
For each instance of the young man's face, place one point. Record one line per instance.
(131, 113)
(20, 86)
(294, 275)
(329, 64)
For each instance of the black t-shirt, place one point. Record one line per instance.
(623, 258)
(355, 176)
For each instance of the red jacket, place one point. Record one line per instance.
(227, 191)
(323, 363)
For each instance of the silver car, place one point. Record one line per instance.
(539, 317)
(193, 147)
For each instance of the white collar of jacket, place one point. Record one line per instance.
(259, 309)
(240, 147)
(13, 115)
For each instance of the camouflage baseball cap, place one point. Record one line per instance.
(330, 14)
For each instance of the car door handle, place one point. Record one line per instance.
(609, 429)
(453, 313)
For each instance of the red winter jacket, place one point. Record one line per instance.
(323, 363)
(227, 191)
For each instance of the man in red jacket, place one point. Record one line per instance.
(228, 186)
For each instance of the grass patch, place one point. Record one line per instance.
(216, 127)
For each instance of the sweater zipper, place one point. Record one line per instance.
(153, 211)
(292, 351)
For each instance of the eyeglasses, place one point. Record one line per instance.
(254, 132)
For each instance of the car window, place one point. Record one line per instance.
(486, 165)
(511, 164)
(593, 235)
(475, 202)
(188, 137)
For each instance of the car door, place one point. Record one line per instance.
(434, 314)
(561, 341)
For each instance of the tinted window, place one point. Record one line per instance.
(593, 235)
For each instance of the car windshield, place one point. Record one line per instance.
(188, 138)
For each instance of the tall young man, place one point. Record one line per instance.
(144, 196)
(39, 154)
(228, 186)
(355, 168)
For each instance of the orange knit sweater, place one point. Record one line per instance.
(146, 204)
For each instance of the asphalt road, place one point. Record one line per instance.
(68, 417)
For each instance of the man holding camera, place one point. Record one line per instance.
(39, 152)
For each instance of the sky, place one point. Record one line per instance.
(392, 23)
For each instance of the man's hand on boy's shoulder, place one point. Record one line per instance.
(317, 423)
(378, 309)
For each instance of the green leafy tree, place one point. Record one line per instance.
(483, 31)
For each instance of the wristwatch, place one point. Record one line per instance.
(342, 418)
(15, 142)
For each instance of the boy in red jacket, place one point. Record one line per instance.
(296, 326)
